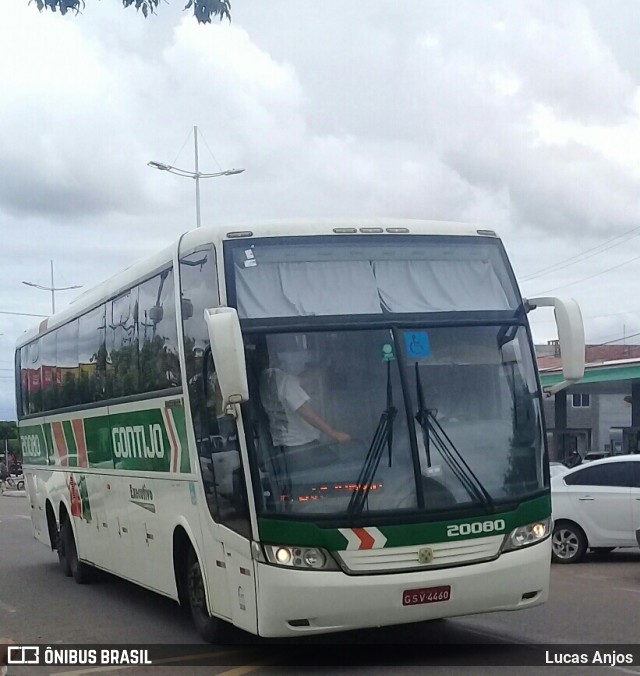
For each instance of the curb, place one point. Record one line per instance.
(14, 494)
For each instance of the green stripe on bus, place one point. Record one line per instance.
(98, 437)
(278, 531)
(72, 447)
(48, 435)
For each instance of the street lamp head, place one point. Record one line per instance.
(54, 288)
(158, 165)
(195, 175)
(37, 286)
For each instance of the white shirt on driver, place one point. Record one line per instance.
(282, 396)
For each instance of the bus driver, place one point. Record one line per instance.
(293, 423)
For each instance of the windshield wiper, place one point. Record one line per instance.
(433, 431)
(383, 434)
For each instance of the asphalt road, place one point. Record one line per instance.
(597, 601)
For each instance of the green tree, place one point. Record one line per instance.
(8, 430)
(8, 436)
(203, 10)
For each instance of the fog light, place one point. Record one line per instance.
(314, 558)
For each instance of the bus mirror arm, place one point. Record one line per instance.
(570, 338)
(233, 405)
(550, 391)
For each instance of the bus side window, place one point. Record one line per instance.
(220, 453)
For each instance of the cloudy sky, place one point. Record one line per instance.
(521, 116)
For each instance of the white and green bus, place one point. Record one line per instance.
(158, 431)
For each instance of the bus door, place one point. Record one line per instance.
(226, 531)
(225, 489)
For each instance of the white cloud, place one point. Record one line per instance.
(520, 116)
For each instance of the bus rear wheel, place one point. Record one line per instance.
(81, 572)
(209, 628)
(63, 559)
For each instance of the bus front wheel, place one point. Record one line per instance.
(207, 627)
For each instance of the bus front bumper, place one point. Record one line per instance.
(298, 602)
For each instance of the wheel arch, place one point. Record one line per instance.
(183, 539)
(575, 524)
(52, 524)
(64, 514)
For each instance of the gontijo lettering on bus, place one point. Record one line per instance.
(138, 441)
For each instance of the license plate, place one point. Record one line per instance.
(415, 597)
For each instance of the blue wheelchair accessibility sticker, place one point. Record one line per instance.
(417, 345)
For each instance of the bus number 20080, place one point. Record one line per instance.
(476, 527)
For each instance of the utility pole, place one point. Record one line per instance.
(196, 175)
(53, 289)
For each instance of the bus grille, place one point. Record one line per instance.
(445, 554)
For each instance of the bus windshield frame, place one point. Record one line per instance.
(415, 423)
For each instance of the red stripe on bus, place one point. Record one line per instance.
(61, 442)
(366, 539)
(81, 442)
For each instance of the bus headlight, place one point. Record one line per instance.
(523, 536)
(314, 558)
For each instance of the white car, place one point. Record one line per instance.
(557, 468)
(595, 506)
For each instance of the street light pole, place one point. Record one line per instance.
(53, 289)
(196, 175)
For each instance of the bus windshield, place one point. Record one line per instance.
(352, 422)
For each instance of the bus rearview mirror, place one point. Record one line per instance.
(227, 349)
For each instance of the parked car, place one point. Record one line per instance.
(596, 455)
(557, 468)
(595, 506)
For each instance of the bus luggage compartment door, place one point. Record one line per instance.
(242, 580)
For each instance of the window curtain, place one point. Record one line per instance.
(362, 287)
(439, 286)
(312, 288)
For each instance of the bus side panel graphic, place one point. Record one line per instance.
(152, 440)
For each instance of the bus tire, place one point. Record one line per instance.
(208, 627)
(63, 559)
(81, 572)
